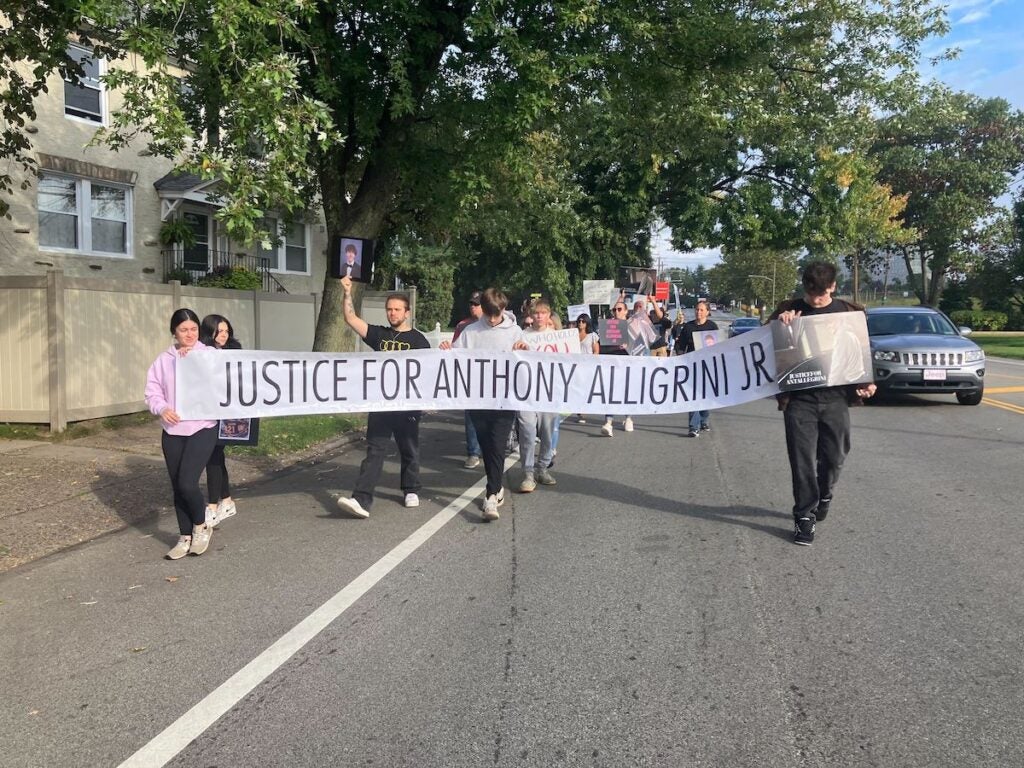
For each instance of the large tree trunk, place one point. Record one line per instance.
(363, 218)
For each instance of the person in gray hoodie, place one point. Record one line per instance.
(496, 330)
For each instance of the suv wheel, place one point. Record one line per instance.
(970, 398)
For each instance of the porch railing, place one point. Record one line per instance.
(193, 264)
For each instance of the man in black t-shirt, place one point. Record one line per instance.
(698, 419)
(404, 426)
(817, 420)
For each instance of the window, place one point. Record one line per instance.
(291, 252)
(83, 97)
(84, 215)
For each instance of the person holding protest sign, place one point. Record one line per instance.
(698, 419)
(497, 330)
(662, 325)
(216, 331)
(590, 344)
(533, 424)
(473, 454)
(676, 334)
(186, 445)
(403, 426)
(817, 420)
(619, 312)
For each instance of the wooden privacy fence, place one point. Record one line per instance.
(78, 348)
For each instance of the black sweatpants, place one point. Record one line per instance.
(492, 430)
(404, 426)
(817, 441)
(217, 476)
(186, 457)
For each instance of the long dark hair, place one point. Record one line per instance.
(588, 324)
(208, 332)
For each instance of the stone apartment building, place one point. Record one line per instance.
(94, 212)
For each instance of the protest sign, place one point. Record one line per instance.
(822, 350)
(661, 291)
(566, 341)
(613, 332)
(703, 339)
(597, 291)
(575, 310)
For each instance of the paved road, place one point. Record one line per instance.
(650, 610)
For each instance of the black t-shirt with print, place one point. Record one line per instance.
(380, 338)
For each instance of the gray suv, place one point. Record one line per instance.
(919, 350)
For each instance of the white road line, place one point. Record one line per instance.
(183, 731)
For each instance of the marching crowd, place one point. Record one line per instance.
(816, 420)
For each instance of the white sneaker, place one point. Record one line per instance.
(180, 549)
(353, 507)
(412, 500)
(606, 429)
(471, 462)
(628, 424)
(225, 509)
(491, 508)
(211, 516)
(201, 535)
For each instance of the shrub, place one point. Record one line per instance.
(180, 274)
(236, 278)
(980, 319)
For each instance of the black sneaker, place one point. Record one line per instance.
(804, 533)
(694, 433)
(823, 505)
(705, 427)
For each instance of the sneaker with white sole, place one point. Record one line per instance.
(225, 509)
(412, 500)
(211, 516)
(627, 425)
(180, 549)
(472, 462)
(606, 429)
(353, 507)
(544, 477)
(804, 531)
(491, 504)
(529, 485)
(201, 535)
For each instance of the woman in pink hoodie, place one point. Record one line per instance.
(187, 445)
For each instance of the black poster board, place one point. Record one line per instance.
(351, 257)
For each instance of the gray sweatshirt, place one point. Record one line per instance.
(483, 335)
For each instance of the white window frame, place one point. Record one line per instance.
(282, 252)
(83, 212)
(101, 66)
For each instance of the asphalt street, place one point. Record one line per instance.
(649, 610)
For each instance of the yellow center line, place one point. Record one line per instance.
(1005, 406)
(1003, 390)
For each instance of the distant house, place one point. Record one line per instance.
(94, 212)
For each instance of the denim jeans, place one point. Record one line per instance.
(697, 418)
(472, 441)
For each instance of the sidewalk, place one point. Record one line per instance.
(56, 495)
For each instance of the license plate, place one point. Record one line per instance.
(934, 374)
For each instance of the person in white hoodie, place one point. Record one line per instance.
(496, 330)
(187, 445)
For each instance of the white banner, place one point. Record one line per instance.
(575, 310)
(222, 384)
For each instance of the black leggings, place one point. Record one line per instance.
(186, 456)
(217, 476)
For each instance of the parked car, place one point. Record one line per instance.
(920, 350)
(742, 325)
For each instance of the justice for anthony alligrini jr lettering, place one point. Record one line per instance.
(242, 384)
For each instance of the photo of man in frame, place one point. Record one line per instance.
(351, 258)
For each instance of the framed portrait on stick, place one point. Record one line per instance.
(351, 257)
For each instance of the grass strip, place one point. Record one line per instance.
(290, 434)
(1001, 346)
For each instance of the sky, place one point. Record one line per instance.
(990, 36)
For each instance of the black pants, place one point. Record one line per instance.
(404, 426)
(493, 429)
(186, 456)
(817, 441)
(217, 476)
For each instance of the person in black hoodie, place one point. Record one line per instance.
(216, 331)
(817, 420)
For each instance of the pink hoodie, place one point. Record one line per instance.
(160, 392)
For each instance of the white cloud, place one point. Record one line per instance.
(973, 17)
